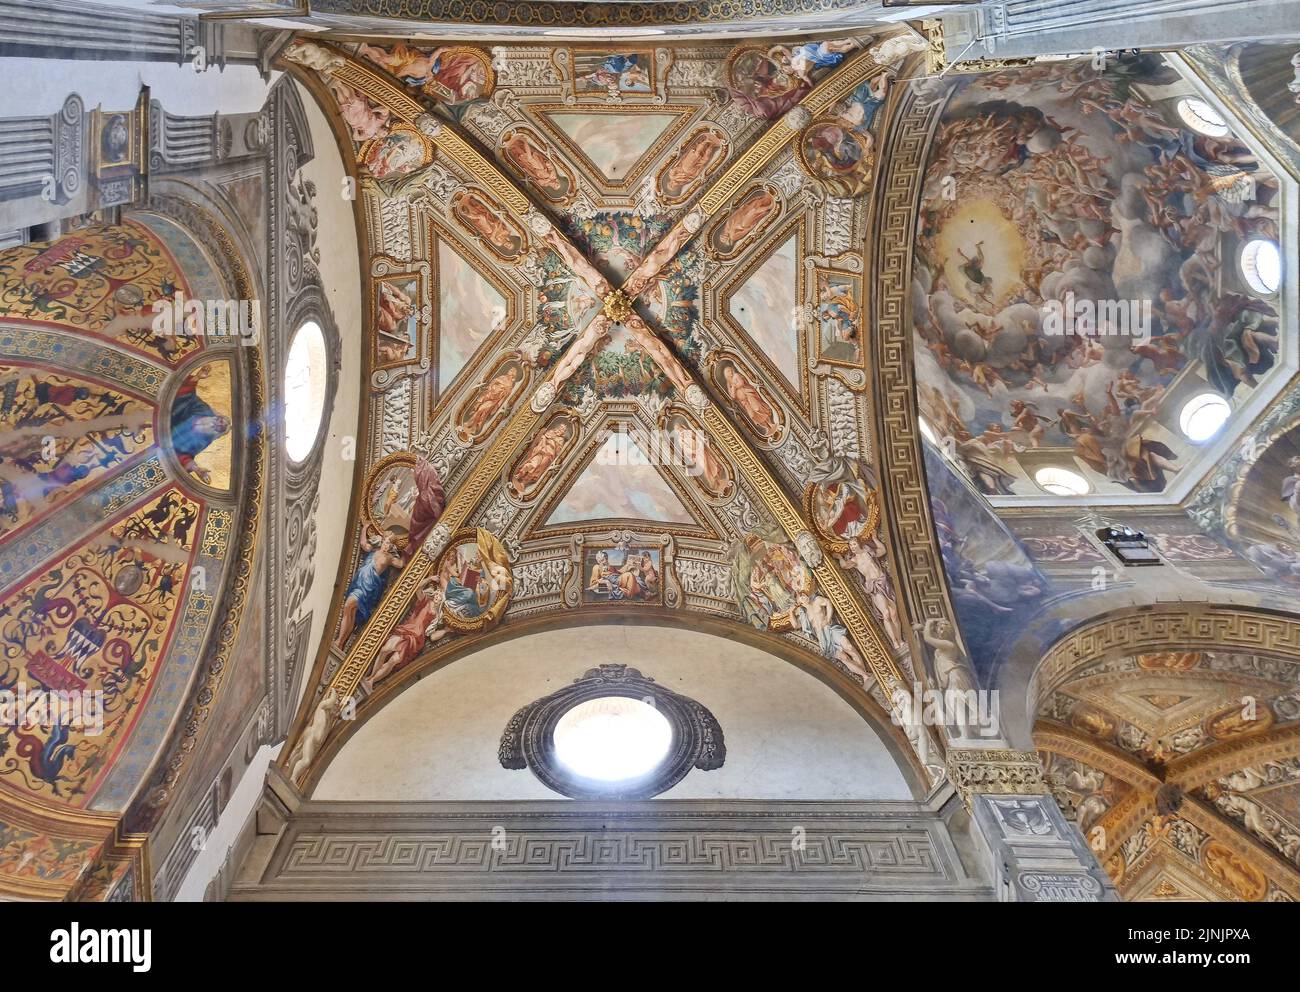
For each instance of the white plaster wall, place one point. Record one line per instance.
(788, 736)
(340, 269)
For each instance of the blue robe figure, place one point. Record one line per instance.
(367, 587)
(817, 53)
(462, 599)
(195, 425)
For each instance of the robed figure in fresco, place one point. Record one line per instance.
(195, 426)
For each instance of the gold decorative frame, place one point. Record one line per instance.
(136, 155)
(483, 621)
(755, 234)
(434, 90)
(363, 152)
(372, 479)
(671, 199)
(507, 405)
(729, 67)
(866, 183)
(831, 541)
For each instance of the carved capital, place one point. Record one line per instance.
(995, 771)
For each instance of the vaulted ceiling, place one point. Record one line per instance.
(619, 295)
(631, 303)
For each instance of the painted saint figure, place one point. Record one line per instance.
(540, 457)
(367, 587)
(398, 153)
(481, 218)
(702, 461)
(489, 400)
(536, 164)
(745, 220)
(700, 156)
(749, 401)
(195, 425)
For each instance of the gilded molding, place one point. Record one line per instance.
(1187, 626)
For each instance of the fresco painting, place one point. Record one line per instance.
(63, 434)
(620, 575)
(453, 75)
(768, 81)
(839, 317)
(102, 281)
(698, 158)
(620, 483)
(994, 583)
(614, 143)
(1059, 184)
(96, 625)
(397, 320)
(614, 74)
(470, 309)
(765, 306)
(469, 593)
(202, 420)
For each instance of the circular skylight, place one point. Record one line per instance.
(612, 739)
(1202, 118)
(1061, 481)
(1203, 415)
(1261, 264)
(304, 390)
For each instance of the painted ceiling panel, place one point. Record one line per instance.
(1077, 281)
(470, 308)
(765, 307)
(621, 483)
(613, 143)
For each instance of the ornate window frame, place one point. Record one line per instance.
(529, 737)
